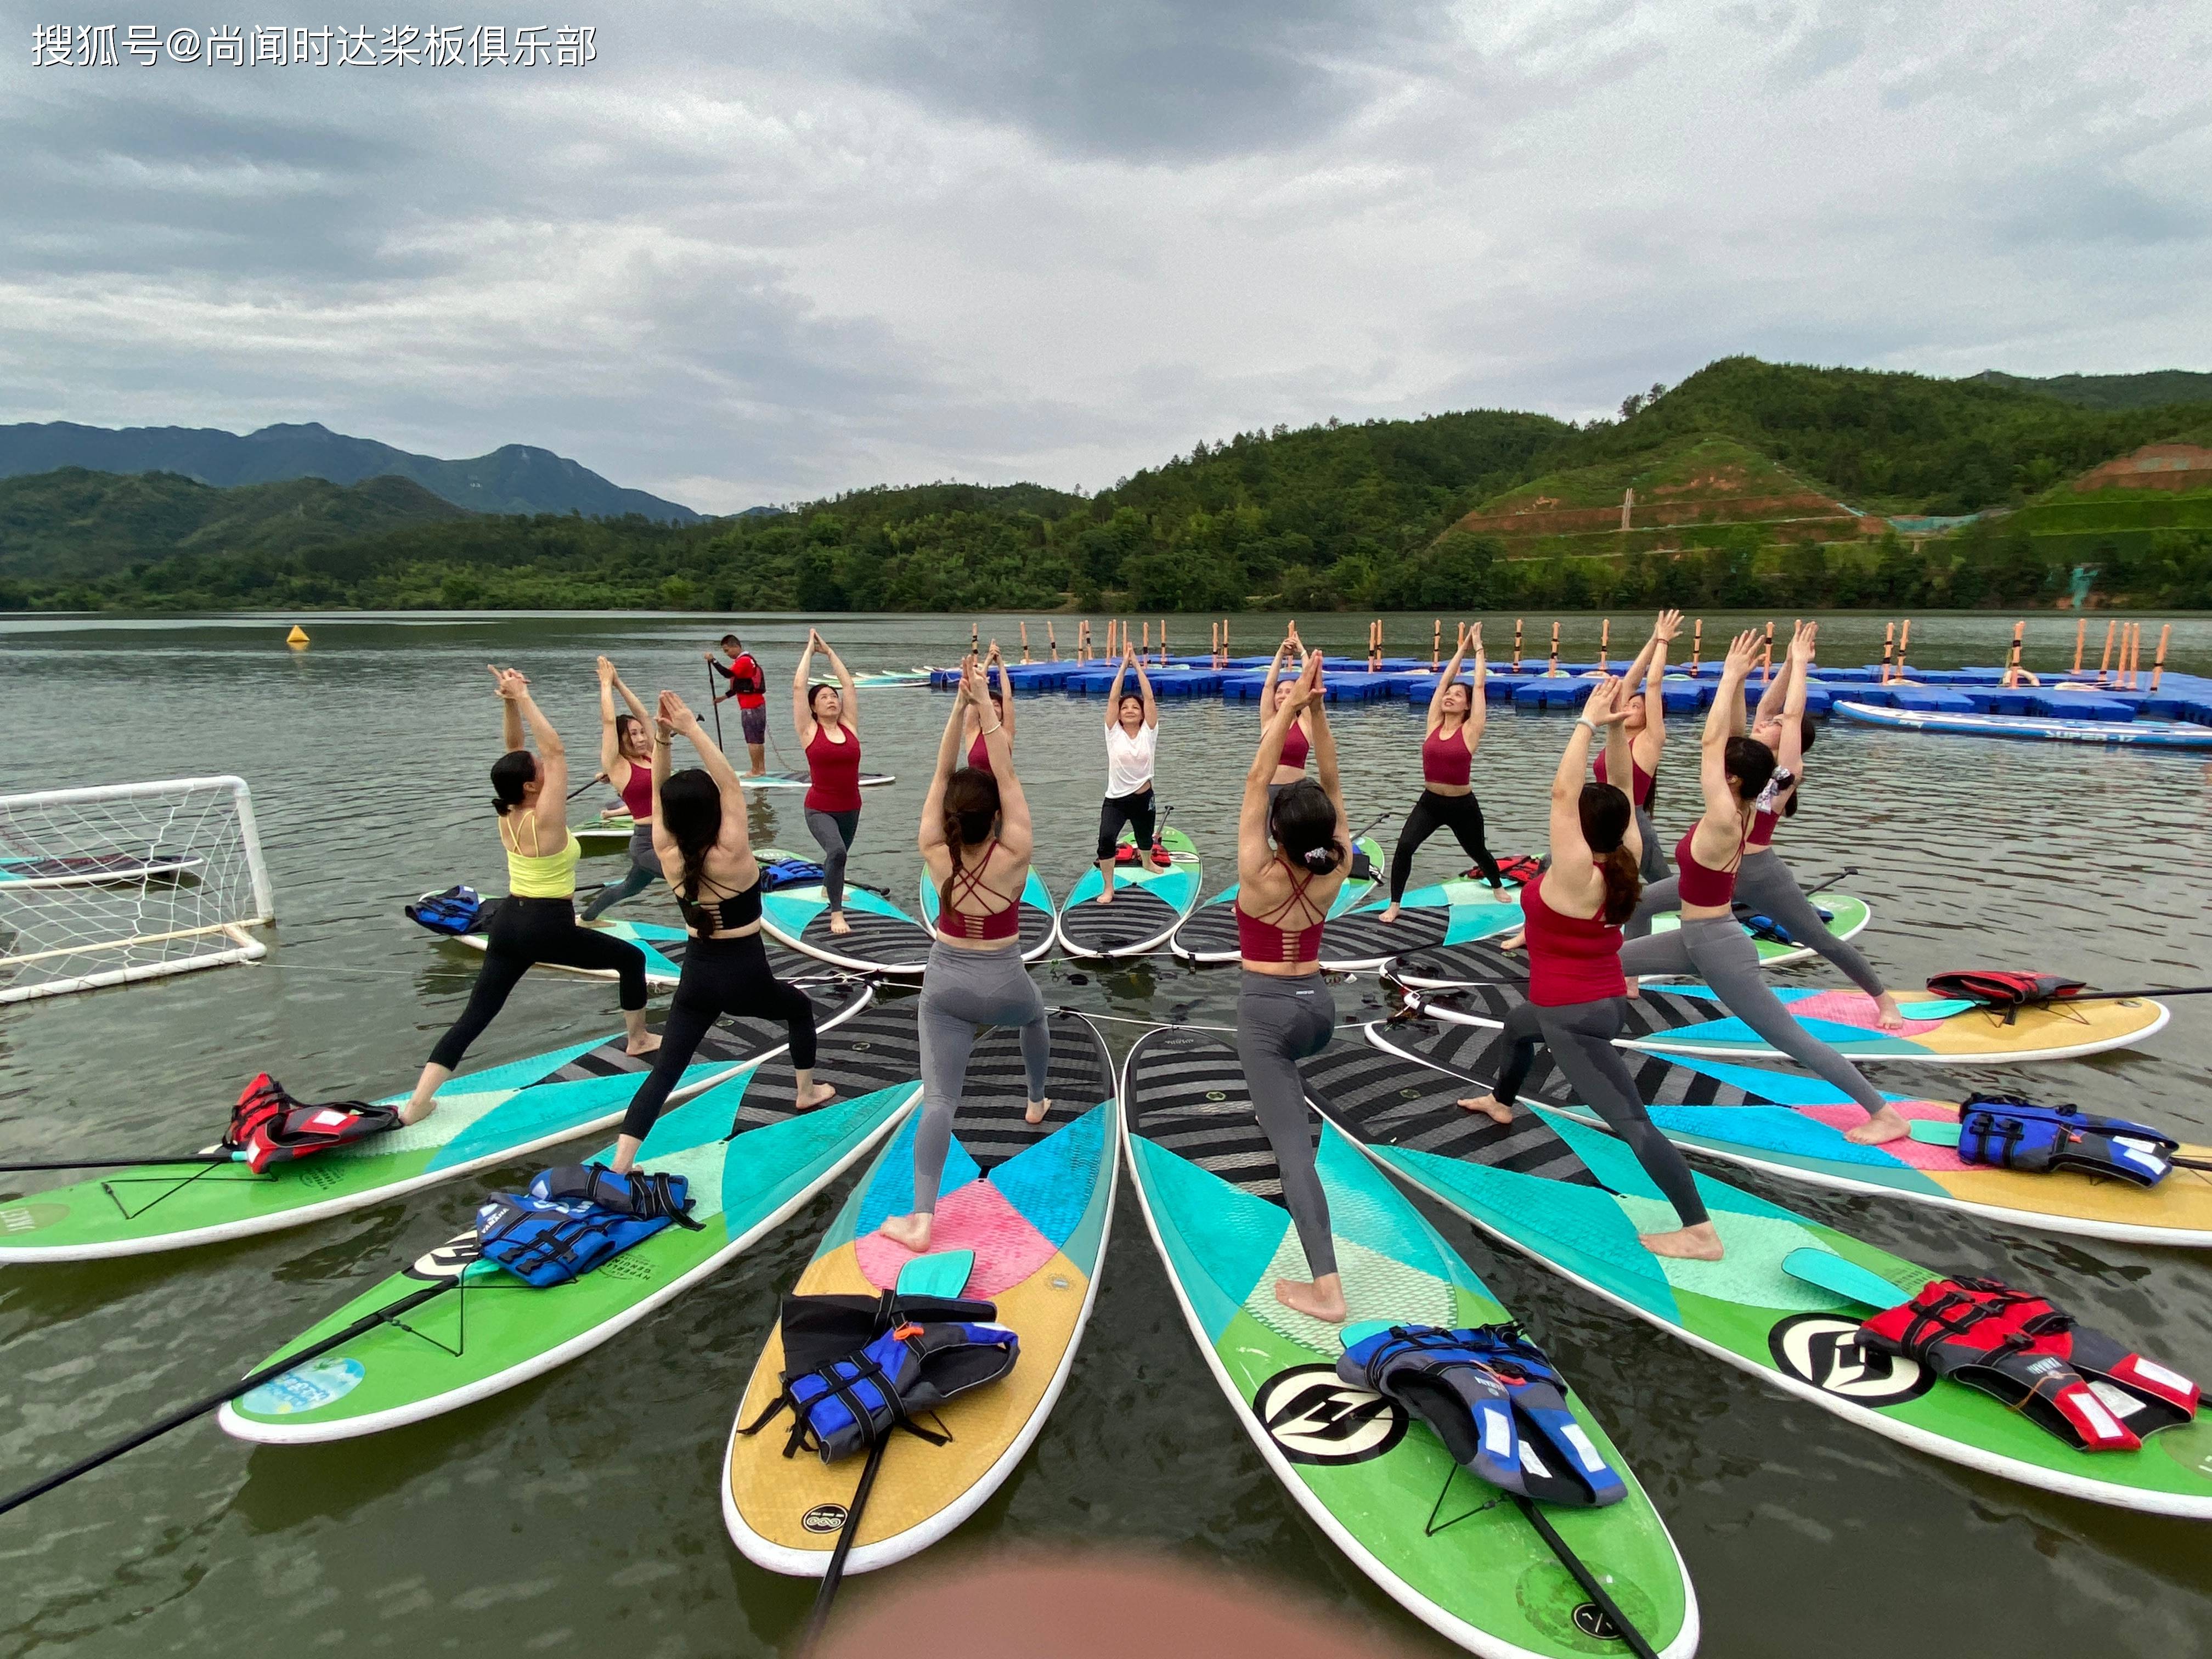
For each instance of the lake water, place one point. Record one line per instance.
(579, 1514)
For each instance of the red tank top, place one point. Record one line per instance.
(1571, 959)
(835, 770)
(1445, 759)
(966, 882)
(1639, 781)
(1264, 938)
(1295, 747)
(637, 793)
(979, 756)
(1698, 884)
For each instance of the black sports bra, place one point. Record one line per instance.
(719, 917)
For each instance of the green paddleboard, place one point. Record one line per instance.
(1456, 1552)
(486, 1117)
(1574, 1198)
(750, 1161)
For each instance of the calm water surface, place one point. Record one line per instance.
(579, 1514)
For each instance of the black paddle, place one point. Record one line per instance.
(1582, 1576)
(123, 1163)
(714, 704)
(185, 1414)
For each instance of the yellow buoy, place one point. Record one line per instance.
(297, 639)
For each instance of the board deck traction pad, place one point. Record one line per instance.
(1791, 1126)
(1208, 934)
(1453, 1551)
(484, 1117)
(1682, 1019)
(1037, 919)
(883, 939)
(1574, 1198)
(1148, 905)
(1033, 1203)
(751, 1159)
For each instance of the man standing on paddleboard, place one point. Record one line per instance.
(749, 685)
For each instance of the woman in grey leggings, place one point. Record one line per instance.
(1292, 857)
(975, 839)
(1734, 771)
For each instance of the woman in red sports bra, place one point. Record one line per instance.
(828, 720)
(1000, 708)
(1642, 688)
(1710, 944)
(1298, 742)
(1292, 855)
(1456, 716)
(975, 840)
(1577, 996)
(626, 759)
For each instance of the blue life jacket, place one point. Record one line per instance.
(576, 1217)
(1761, 925)
(789, 873)
(2011, 1133)
(849, 1404)
(1497, 1404)
(456, 910)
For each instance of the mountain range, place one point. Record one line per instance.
(514, 478)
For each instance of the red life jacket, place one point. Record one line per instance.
(270, 1126)
(1519, 869)
(2004, 987)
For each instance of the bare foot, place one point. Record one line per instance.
(1887, 1016)
(1037, 1110)
(1323, 1299)
(1489, 1105)
(644, 1045)
(1106, 893)
(1699, 1243)
(1390, 914)
(415, 1110)
(911, 1231)
(1514, 940)
(1888, 1124)
(838, 924)
(1635, 986)
(820, 1095)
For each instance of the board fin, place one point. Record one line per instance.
(1846, 1278)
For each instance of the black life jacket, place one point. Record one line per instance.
(270, 1126)
(1495, 1401)
(2072, 1382)
(2013, 1133)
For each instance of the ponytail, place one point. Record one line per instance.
(690, 805)
(1624, 884)
(1604, 815)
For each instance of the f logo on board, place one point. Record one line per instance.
(449, 1261)
(1824, 1350)
(1314, 1416)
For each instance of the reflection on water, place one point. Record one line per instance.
(580, 1512)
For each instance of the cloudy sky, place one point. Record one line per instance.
(756, 252)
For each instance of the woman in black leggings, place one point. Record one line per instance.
(699, 830)
(1456, 715)
(537, 921)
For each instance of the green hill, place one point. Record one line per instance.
(2148, 391)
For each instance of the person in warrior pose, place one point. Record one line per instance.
(1297, 741)
(749, 685)
(1734, 771)
(1766, 883)
(1456, 715)
(975, 839)
(1000, 708)
(1292, 852)
(699, 829)
(1578, 995)
(537, 921)
(626, 762)
(828, 720)
(1642, 691)
(1133, 738)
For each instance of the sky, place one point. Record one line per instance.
(765, 252)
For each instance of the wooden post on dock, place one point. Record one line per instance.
(1051, 637)
(974, 639)
(1766, 662)
(2135, 653)
(1517, 644)
(1604, 642)
(1696, 645)
(1554, 667)
(2081, 634)
(2158, 667)
(1903, 644)
(1437, 644)
(1888, 649)
(1025, 644)
(2105, 662)
(2012, 661)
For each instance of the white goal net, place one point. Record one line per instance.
(127, 881)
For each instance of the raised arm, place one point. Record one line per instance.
(1603, 714)
(1114, 691)
(1016, 833)
(1790, 753)
(510, 710)
(1777, 688)
(850, 692)
(802, 715)
(1252, 853)
(1005, 696)
(1651, 741)
(1325, 768)
(664, 760)
(1478, 707)
(1724, 721)
(1451, 673)
(1145, 690)
(931, 836)
(1268, 686)
(609, 739)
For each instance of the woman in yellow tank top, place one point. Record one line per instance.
(537, 921)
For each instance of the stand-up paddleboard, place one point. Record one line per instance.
(1448, 913)
(882, 938)
(605, 834)
(1847, 919)
(664, 947)
(1209, 933)
(22, 874)
(486, 1117)
(1035, 919)
(1792, 1126)
(1575, 1198)
(1033, 1202)
(751, 1159)
(1688, 1020)
(1148, 905)
(777, 781)
(893, 676)
(1456, 1553)
(2131, 734)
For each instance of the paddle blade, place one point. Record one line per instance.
(1934, 1134)
(1846, 1278)
(944, 1274)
